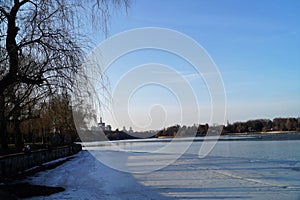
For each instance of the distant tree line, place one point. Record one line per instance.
(57, 127)
(264, 125)
(250, 126)
(200, 130)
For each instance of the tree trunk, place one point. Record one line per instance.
(18, 135)
(19, 143)
(3, 127)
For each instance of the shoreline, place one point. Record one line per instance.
(232, 137)
(266, 133)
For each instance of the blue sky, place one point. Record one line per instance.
(255, 45)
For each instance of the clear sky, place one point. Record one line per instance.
(255, 45)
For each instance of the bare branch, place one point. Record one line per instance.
(28, 80)
(4, 12)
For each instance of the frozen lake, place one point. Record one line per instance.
(233, 170)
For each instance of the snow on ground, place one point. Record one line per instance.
(213, 177)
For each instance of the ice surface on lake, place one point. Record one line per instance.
(234, 170)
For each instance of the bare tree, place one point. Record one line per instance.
(41, 44)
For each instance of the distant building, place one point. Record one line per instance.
(102, 125)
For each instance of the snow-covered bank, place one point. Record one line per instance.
(217, 176)
(84, 177)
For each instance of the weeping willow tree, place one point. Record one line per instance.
(42, 45)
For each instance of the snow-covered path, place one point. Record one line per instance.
(214, 177)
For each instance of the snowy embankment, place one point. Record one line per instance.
(220, 175)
